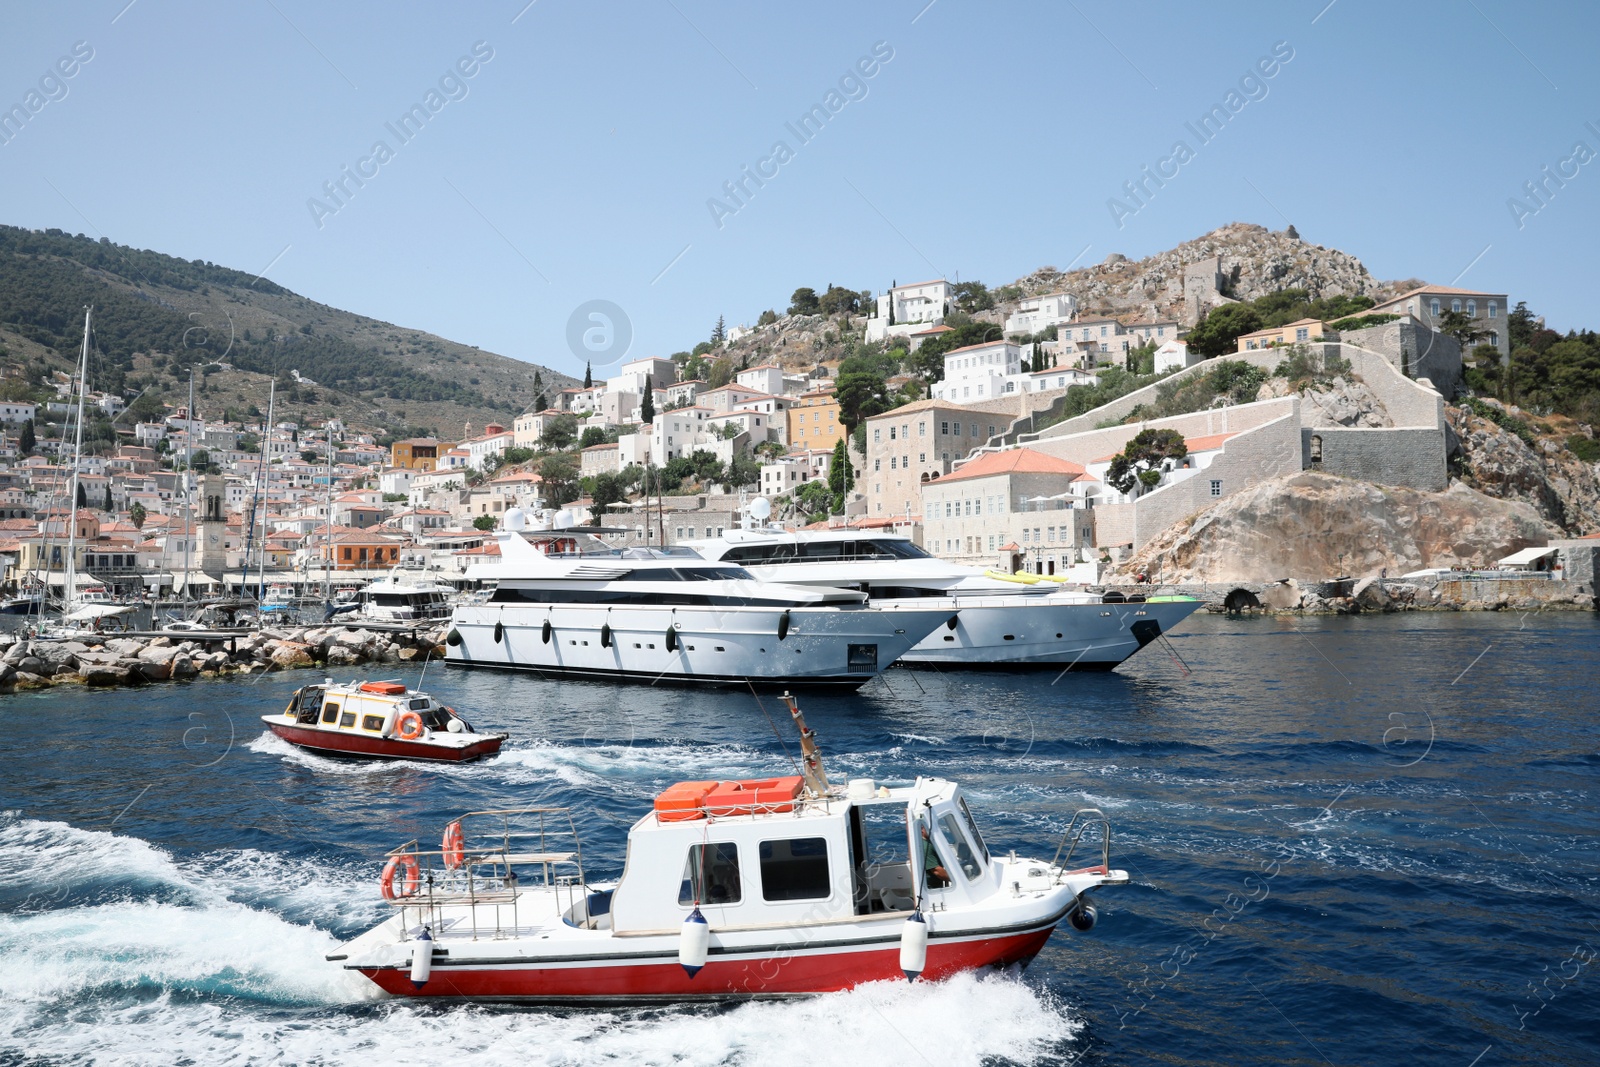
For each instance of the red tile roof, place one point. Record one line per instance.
(1013, 461)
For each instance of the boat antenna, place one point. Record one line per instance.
(811, 758)
(775, 731)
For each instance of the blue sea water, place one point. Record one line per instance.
(1352, 841)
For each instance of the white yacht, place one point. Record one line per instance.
(574, 606)
(399, 600)
(988, 620)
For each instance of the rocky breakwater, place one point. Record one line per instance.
(34, 663)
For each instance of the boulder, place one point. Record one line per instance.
(124, 646)
(292, 654)
(160, 642)
(161, 654)
(29, 680)
(18, 652)
(343, 656)
(183, 666)
(1281, 596)
(151, 671)
(29, 665)
(406, 655)
(106, 674)
(1370, 595)
(8, 675)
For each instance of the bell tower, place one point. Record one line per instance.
(213, 526)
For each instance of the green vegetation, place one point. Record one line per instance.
(1501, 418)
(484, 523)
(1219, 331)
(1140, 462)
(1548, 371)
(1361, 322)
(1585, 448)
(1304, 368)
(1233, 379)
(1113, 383)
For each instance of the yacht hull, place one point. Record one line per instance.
(357, 746)
(1018, 633)
(719, 646)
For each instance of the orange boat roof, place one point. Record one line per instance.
(387, 689)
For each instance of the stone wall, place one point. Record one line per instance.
(1413, 349)
(1406, 456)
(1092, 444)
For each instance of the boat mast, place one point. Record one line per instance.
(188, 494)
(810, 756)
(327, 522)
(77, 453)
(257, 506)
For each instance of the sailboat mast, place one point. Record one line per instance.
(188, 494)
(327, 522)
(77, 453)
(261, 490)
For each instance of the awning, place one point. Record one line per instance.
(90, 612)
(1527, 557)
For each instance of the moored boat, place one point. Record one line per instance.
(379, 720)
(730, 890)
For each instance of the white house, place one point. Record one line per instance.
(1175, 355)
(905, 308)
(981, 372)
(635, 374)
(767, 378)
(17, 414)
(1037, 313)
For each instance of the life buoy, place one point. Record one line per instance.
(409, 877)
(409, 726)
(454, 846)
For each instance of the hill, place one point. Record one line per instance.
(156, 316)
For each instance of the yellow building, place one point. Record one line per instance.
(1294, 333)
(418, 453)
(814, 420)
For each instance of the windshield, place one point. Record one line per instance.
(972, 826)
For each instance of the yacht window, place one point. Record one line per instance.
(972, 827)
(711, 875)
(796, 869)
(347, 720)
(330, 712)
(418, 703)
(372, 722)
(964, 855)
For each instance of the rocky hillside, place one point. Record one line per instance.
(1255, 261)
(156, 315)
(1509, 454)
(1313, 526)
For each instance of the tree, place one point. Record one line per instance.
(840, 476)
(928, 360)
(719, 333)
(308, 455)
(770, 449)
(559, 473)
(609, 488)
(768, 317)
(647, 403)
(592, 435)
(83, 498)
(837, 301)
(972, 296)
(1462, 327)
(861, 392)
(1141, 360)
(588, 375)
(743, 471)
(136, 515)
(25, 438)
(559, 432)
(1219, 331)
(1140, 462)
(484, 522)
(803, 301)
(720, 374)
(814, 499)
(108, 506)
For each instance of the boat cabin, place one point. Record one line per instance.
(366, 708)
(760, 852)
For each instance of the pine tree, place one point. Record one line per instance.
(108, 506)
(25, 438)
(647, 404)
(719, 332)
(588, 376)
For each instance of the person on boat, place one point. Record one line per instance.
(933, 870)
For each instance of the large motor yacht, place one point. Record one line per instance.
(572, 605)
(989, 620)
(394, 599)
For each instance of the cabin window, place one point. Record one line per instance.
(972, 825)
(347, 720)
(711, 875)
(372, 722)
(330, 712)
(965, 858)
(796, 869)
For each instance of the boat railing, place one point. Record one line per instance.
(487, 859)
(1074, 833)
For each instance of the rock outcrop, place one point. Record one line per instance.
(1315, 526)
(1563, 488)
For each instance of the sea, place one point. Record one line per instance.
(1363, 840)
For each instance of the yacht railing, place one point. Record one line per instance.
(1074, 833)
(498, 855)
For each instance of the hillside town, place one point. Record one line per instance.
(990, 458)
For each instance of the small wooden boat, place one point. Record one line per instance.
(731, 889)
(379, 720)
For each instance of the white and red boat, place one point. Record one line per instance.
(379, 720)
(732, 889)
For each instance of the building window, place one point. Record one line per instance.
(1493, 338)
(1472, 308)
(922, 457)
(877, 436)
(944, 427)
(1455, 305)
(1302, 334)
(1316, 449)
(877, 464)
(1216, 487)
(1494, 309)
(1433, 307)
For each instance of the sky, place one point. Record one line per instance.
(579, 152)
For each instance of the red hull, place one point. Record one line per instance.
(747, 975)
(331, 743)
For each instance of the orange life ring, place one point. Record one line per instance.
(455, 849)
(410, 877)
(409, 726)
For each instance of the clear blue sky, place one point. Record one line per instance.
(579, 162)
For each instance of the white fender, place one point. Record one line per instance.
(694, 942)
(914, 946)
(422, 959)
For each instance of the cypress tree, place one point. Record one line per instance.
(588, 376)
(647, 404)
